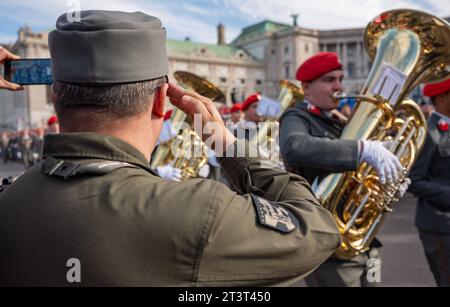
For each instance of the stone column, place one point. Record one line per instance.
(359, 67)
(344, 57)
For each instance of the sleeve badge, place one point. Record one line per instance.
(274, 216)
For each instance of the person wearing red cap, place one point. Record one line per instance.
(310, 146)
(431, 184)
(237, 124)
(236, 113)
(53, 125)
(249, 107)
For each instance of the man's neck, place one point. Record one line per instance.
(136, 132)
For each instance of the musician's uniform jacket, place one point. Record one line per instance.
(431, 180)
(431, 183)
(311, 148)
(309, 145)
(95, 198)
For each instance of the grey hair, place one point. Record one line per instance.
(118, 100)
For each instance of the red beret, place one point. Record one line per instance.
(52, 120)
(168, 115)
(251, 100)
(318, 65)
(433, 90)
(236, 107)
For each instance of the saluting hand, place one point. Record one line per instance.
(6, 55)
(212, 129)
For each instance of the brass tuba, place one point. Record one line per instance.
(289, 95)
(268, 132)
(408, 47)
(187, 150)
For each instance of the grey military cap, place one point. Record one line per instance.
(106, 47)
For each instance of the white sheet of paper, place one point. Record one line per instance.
(268, 107)
(390, 83)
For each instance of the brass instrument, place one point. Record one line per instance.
(268, 133)
(408, 43)
(289, 95)
(187, 151)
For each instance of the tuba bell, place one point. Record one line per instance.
(187, 151)
(408, 47)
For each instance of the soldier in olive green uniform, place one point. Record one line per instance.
(94, 198)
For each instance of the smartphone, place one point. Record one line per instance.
(29, 71)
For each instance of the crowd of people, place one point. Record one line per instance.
(26, 146)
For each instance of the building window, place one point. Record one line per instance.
(306, 47)
(331, 48)
(286, 72)
(351, 50)
(351, 69)
(258, 82)
(223, 80)
(273, 51)
(242, 81)
(286, 49)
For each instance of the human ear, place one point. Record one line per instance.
(159, 101)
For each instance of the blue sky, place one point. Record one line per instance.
(198, 19)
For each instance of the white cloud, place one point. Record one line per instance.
(329, 14)
(198, 19)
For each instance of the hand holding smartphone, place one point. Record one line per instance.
(5, 55)
(18, 72)
(29, 71)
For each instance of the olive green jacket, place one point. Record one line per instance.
(128, 227)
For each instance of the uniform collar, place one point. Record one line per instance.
(311, 108)
(92, 146)
(443, 117)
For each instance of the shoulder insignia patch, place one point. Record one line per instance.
(274, 216)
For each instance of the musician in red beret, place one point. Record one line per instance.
(311, 147)
(53, 125)
(249, 107)
(236, 113)
(431, 184)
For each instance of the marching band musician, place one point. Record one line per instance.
(250, 106)
(236, 114)
(167, 133)
(310, 146)
(431, 183)
(52, 125)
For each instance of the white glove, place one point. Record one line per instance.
(168, 132)
(169, 172)
(403, 188)
(204, 171)
(382, 160)
(212, 159)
